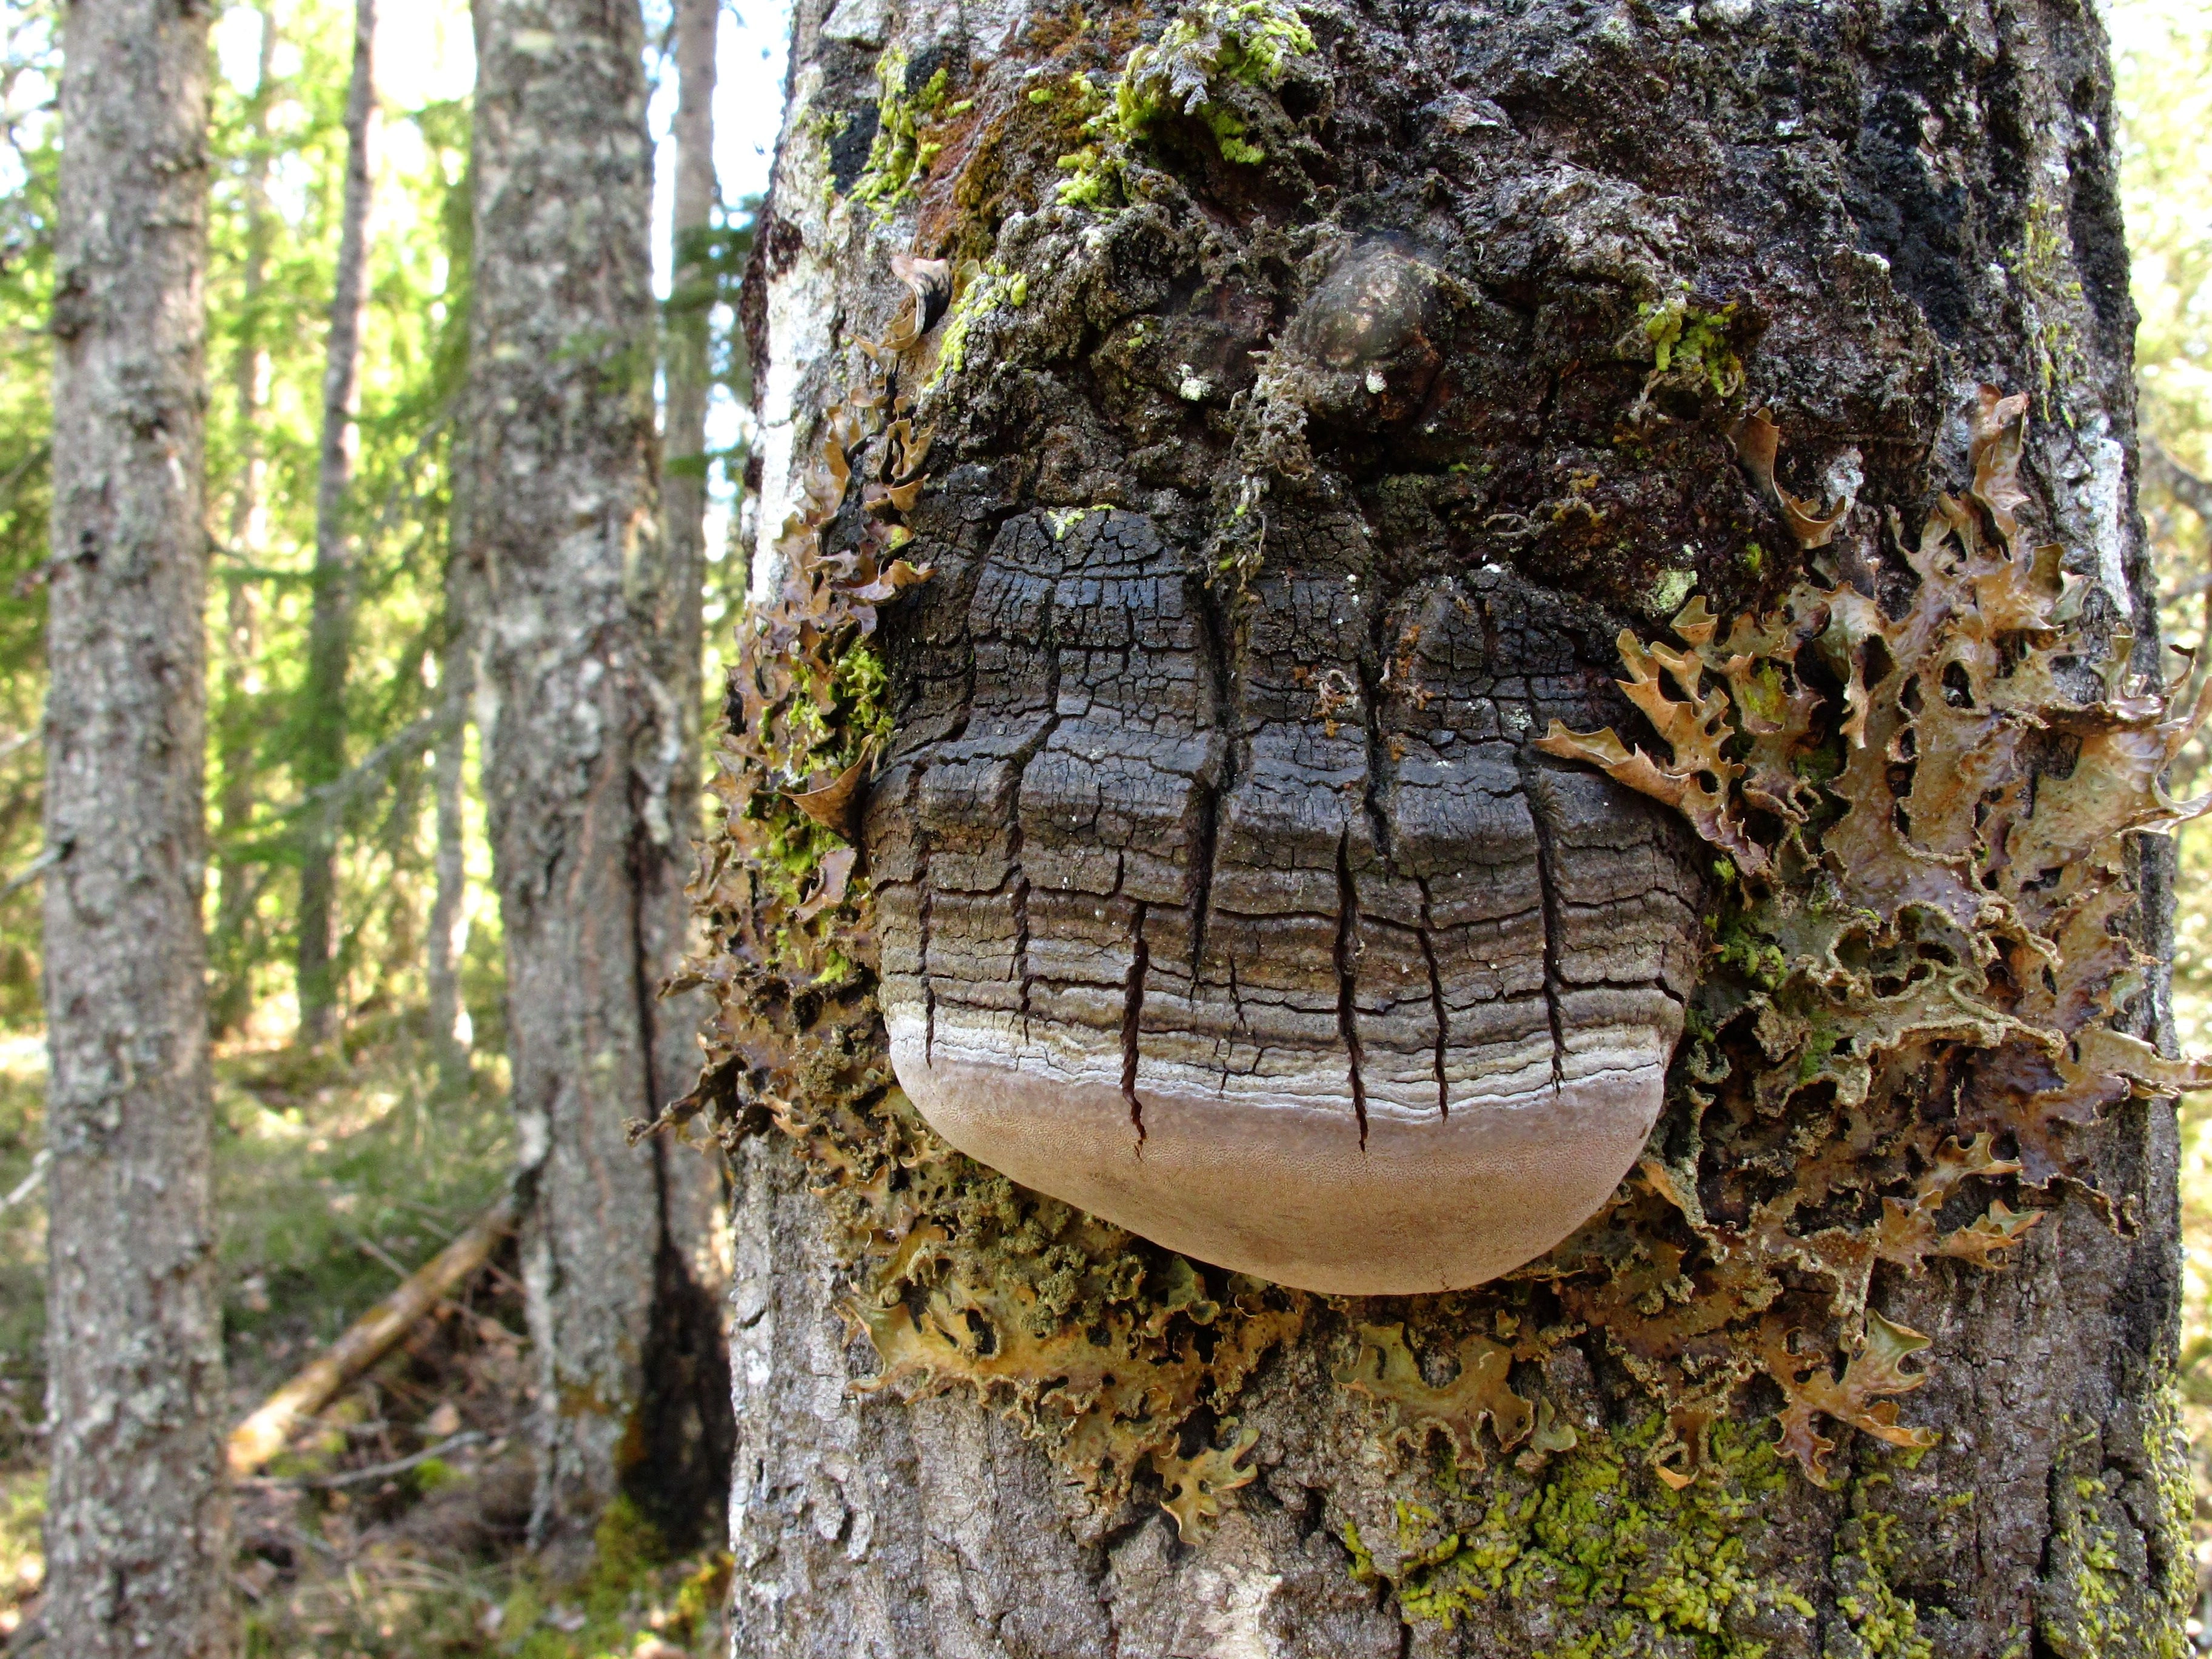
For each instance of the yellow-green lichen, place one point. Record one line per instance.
(2050, 299)
(1610, 1552)
(899, 155)
(1671, 589)
(1690, 344)
(2094, 1570)
(1363, 1558)
(2166, 1456)
(979, 290)
(820, 129)
(1887, 1623)
(1208, 48)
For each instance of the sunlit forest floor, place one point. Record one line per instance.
(338, 1173)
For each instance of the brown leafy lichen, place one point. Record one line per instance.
(1926, 817)
(1385, 1370)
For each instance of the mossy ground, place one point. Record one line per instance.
(335, 1170)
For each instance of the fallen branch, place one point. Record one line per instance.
(375, 1471)
(261, 1435)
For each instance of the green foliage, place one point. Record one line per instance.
(279, 147)
(322, 1164)
(29, 61)
(709, 264)
(23, 1511)
(23, 1245)
(2163, 57)
(277, 151)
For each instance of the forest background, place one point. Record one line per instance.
(346, 1161)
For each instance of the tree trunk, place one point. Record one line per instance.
(137, 1558)
(450, 1032)
(1309, 417)
(685, 369)
(584, 742)
(688, 1423)
(237, 715)
(329, 624)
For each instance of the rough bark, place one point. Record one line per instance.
(329, 624)
(136, 1525)
(584, 752)
(1900, 204)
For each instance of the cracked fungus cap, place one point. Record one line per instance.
(1309, 973)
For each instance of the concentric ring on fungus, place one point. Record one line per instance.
(1297, 967)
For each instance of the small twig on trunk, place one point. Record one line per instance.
(259, 1438)
(29, 1183)
(37, 867)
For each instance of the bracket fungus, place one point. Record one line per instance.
(1306, 971)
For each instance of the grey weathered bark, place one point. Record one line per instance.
(330, 624)
(137, 1524)
(585, 761)
(237, 722)
(1899, 205)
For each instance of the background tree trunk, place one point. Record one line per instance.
(685, 367)
(322, 746)
(237, 726)
(584, 739)
(1900, 205)
(689, 1435)
(137, 1545)
(450, 1034)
